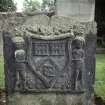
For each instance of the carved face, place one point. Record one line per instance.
(48, 70)
(78, 42)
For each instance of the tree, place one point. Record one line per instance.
(31, 5)
(45, 3)
(7, 5)
(48, 5)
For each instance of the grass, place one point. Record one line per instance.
(100, 75)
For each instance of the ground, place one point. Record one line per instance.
(100, 76)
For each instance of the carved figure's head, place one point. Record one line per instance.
(79, 30)
(79, 42)
(19, 42)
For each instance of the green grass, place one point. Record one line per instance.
(100, 75)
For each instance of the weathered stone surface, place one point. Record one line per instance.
(81, 10)
(8, 21)
(50, 69)
(50, 60)
(90, 50)
(46, 99)
(38, 19)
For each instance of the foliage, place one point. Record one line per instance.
(7, 5)
(31, 5)
(101, 34)
(48, 5)
(35, 5)
(45, 4)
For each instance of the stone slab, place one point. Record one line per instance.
(81, 10)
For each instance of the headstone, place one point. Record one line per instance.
(50, 61)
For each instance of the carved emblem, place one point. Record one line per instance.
(47, 61)
(51, 58)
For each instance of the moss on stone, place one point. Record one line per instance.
(45, 102)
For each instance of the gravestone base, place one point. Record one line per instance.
(46, 99)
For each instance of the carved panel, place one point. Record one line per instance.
(40, 49)
(50, 60)
(44, 48)
(48, 66)
(52, 65)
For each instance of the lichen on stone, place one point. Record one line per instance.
(54, 26)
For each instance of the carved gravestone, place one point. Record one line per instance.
(50, 61)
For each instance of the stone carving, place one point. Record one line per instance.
(46, 48)
(43, 56)
(50, 56)
(50, 59)
(47, 73)
(78, 61)
(49, 30)
(46, 63)
(20, 60)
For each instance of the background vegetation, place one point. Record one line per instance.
(35, 5)
(31, 6)
(7, 5)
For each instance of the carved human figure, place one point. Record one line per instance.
(20, 70)
(20, 56)
(78, 61)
